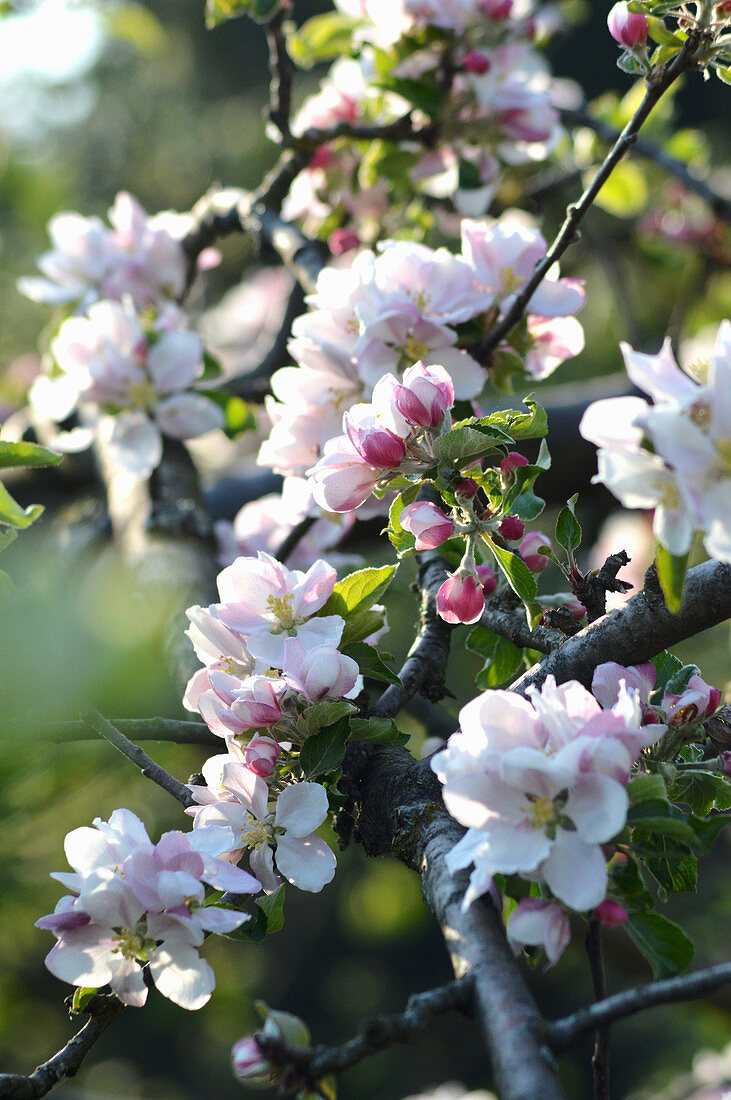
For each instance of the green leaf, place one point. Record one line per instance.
(702, 791)
(625, 879)
(527, 506)
(371, 662)
(12, 513)
(661, 34)
(359, 591)
(462, 445)
(678, 682)
(506, 660)
(568, 528)
(518, 575)
(26, 454)
(425, 95)
(323, 714)
(671, 574)
(665, 946)
(272, 906)
(324, 751)
(239, 416)
(667, 664)
(358, 627)
(7, 535)
(211, 368)
(400, 539)
(644, 788)
(382, 731)
(518, 424)
(321, 38)
(659, 819)
(673, 866)
(82, 996)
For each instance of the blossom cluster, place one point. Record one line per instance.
(406, 304)
(125, 361)
(134, 905)
(674, 455)
(540, 785)
(268, 657)
(495, 110)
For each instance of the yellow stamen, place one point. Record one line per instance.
(542, 813)
(281, 608)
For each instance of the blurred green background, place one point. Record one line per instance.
(160, 107)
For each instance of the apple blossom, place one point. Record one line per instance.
(425, 394)
(284, 837)
(529, 546)
(461, 599)
(428, 523)
(610, 913)
(487, 578)
(627, 27)
(699, 700)
(541, 924)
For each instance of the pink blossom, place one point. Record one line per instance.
(342, 240)
(342, 480)
(320, 673)
(248, 1060)
(427, 523)
(608, 677)
(377, 445)
(425, 395)
(475, 62)
(461, 599)
(261, 755)
(610, 913)
(629, 28)
(512, 461)
(699, 700)
(541, 924)
(528, 547)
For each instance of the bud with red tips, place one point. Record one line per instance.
(511, 528)
(476, 62)
(629, 28)
(461, 598)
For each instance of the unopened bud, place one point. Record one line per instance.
(629, 28)
(342, 240)
(476, 62)
(511, 528)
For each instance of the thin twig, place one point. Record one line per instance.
(280, 70)
(298, 532)
(513, 626)
(564, 1032)
(104, 1009)
(719, 204)
(307, 1065)
(600, 1057)
(253, 385)
(401, 129)
(181, 732)
(657, 85)
(133, 752)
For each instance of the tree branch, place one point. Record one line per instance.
(307, 1065)
(133, 752)
(511, 624)
(179, 731)
(564, 1032)
(641, 629)
(254, 385)
(103, 1009)
(719, 204)
(280, 69)
(600, 1057)
(657, 85)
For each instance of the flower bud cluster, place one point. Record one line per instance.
(673, 455)
(134, 905)
(268, 657)
(540, 785)
(390, 435)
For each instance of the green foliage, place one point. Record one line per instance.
(371, 662)
(667, 664)
(382, 731)
(568, 528)
(358, 591)
(402, 541)
(267, 918)
(324, 751)
(81, 997)
(323, 714)
(321, 38)
(239, 416)
(671, 570)
(218, 11)
(26, 454)
(517, 573)
(665, 946)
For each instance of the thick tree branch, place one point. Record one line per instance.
(641, 629)
(657, 84)
(307, 1065)
(719, 204)
(133, 752)
(103, 1010)
(563, 1033)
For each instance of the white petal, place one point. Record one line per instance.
(576, 872)
(301, 808)
(133, 442)
(83, 957)
(187, 415)
(598, 808)
(182, 975)
(306, 862)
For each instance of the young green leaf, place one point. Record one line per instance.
(518, 575)
(359, 591)
(665, 946)
(324, 751)
(13, 514)
(671, 570)
(371, 662)
(568, 528)
(382, 731)
(26, 454)
(323, 714)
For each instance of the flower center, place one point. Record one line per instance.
(542, 813)
(723, 449)
(142, 394)
(509, 279)
(133, 944)
(415, 349)
(282, 610)
(255, 835)
(668, 493)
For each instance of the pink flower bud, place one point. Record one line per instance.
(379, 446)
(497, 9)
(511, 528)
(342, 240)
(487, 578)
(699, 700)
(528, 547)
(461, 599)
(320, 158)
(428, 523)
(575, 608)
(476, 62)
(466, 488)
(248, 1060)
(425, 395)
(629, 28)
(726, 762)
(261, 754)
(610, 913)
(512, 461)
